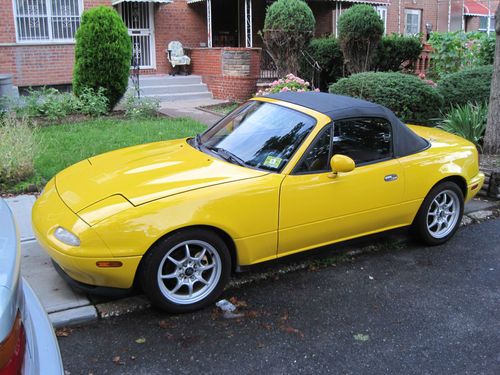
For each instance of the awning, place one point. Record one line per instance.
(374, 2)
(473, 8)
(116, 2)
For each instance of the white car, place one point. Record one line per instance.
(28, 344)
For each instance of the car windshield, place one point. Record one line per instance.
(258, 135)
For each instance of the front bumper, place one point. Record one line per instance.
(79, 262)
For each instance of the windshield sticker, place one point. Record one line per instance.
(272, 162)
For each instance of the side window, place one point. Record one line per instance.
(364, 140)
(317, 157)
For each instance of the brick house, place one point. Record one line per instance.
(37, 36)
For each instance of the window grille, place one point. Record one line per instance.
(47, 20)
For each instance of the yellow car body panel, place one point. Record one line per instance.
(120, 203)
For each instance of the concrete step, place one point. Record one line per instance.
(182, 96)
(174, 89)
(163, 80)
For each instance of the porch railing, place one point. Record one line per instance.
(268, 69)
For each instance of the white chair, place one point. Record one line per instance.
(177, 57)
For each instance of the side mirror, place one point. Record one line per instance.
(341, 163)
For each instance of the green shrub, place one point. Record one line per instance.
(395, 50)
(468, 121)
(486, 53)
(454, 51)
(47, 102)
(410, 98)
(93, 103)
(18, 145)
(467, 86)
(288, 27)
(102, 54)
(289, 16)
(141, 107)
(360, 30)
(326, 52)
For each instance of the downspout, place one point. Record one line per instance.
(449, 15)
(489, 19)
(399, 17)
(463, 15)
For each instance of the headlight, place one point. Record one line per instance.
(65, 236)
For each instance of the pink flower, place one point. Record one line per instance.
(421, 75)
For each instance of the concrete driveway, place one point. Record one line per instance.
(410, 310)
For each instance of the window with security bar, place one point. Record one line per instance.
(47, 20)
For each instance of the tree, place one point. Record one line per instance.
(102, 54)
(288, 27)
(492, 135)
(360, 32)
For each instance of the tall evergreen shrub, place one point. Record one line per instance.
(102, 54)
(360, 31)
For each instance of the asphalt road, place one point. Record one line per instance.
(409, 310)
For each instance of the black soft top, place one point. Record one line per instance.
(339, 107)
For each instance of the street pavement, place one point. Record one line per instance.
(67, 307)
(405, 310)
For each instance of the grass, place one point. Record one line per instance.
(63, 145)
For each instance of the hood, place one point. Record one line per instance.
(144, 173)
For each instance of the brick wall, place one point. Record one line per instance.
(178, 21)
(230, 73)
(36, 63)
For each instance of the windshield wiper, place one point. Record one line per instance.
(228, 155)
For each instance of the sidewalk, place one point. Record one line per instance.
(189, 108)
(67, 307)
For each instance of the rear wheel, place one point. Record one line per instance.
(440, 214)
(186, 271)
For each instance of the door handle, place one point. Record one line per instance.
(390, 177)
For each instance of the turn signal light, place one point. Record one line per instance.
(108, 264)
(12, 350)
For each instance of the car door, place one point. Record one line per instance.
(317, 209)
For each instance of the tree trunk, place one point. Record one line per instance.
(492, 135)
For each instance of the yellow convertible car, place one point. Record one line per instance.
(279, 175)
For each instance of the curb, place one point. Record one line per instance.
(90, 314)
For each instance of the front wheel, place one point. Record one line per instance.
(440, 214)
(186, 271)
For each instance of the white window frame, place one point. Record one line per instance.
(382, 12)
(50, 39)
(492, 24)
(417, 12)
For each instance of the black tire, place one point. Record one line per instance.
(167, 254)
(424, 217)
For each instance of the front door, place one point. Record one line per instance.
(138, 17)
(316, 209)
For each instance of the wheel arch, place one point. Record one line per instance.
(457, 179)
(221, 233)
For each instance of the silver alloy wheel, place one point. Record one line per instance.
(443, 214)
(189, 272)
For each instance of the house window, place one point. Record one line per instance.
(382, 12)
(413, 19)
(483, 24)
(47, 20)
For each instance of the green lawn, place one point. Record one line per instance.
(65, 144)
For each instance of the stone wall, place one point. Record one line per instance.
(491, 187)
